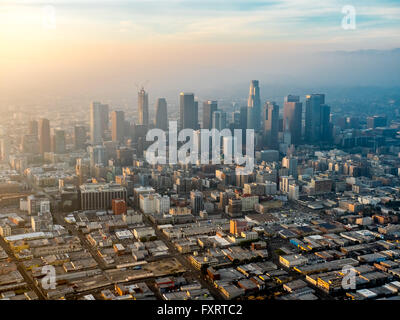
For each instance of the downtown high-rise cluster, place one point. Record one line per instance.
(297, 124)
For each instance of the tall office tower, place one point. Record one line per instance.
(313, 117)
(104, 119)
(271, 125)
(30, 144)
(188, 111)
(236, 116)
(243, 123)
(161, 114)
(44, 135)
(98, 122)
(79, 137)
(138, 132)
(254, 106)
(58, 141)
(325, 123)
(209, 107)
(292, 113)
(117, 126)
(219, 120)
(243, 118)
(196, 115)
(196, 200)
(97, 155)
(33, 128)
(128, 129)
(143, 107)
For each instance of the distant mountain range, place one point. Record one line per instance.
(367, 52)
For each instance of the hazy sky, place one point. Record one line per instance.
(104, 47)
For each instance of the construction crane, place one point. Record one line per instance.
(141, 86)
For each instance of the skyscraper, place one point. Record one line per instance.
(313, 116)
(98, 122)
(317, 119)
(271, 125)
(236, 118)
(58, 141)
(79, 137)
(243, 118)
(30, 144)
(161, 114)
(104, 111)
(209, 107)
(195, 117)
(97, 155)
(219, 120)
(254, 106)
(44, 135)
(325, 123)
(188, 111)
(33, 128)
(117, 126)
(243, 122)
(143, 107)
(292, 113)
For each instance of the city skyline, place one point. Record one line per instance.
(224, 154)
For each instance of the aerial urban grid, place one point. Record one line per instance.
(200, 183)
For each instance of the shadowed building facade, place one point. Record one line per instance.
(44, 136)
(161, 114)
(58, 141)
(292, 117)
(317, 124)
(271, 125)
(98, 122)
(209, 107)
(188, 111)
(117, 126)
